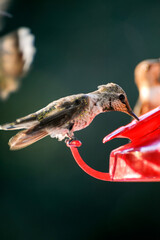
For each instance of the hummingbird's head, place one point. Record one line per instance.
(114, 98)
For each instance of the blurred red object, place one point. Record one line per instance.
(137, 161)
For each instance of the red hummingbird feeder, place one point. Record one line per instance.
(137, 161)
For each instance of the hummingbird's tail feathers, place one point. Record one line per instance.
(25, 138)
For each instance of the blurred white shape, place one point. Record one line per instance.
(26, 45)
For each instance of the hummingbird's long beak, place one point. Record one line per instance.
(130, 112)
(133, 115)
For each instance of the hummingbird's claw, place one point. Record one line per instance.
(73, 142)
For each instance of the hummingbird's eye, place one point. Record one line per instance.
(122, 97)
(77, 101)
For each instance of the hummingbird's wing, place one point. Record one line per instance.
(53, 115)
(21, 123)
(59, 114)
(16, 55)
(63, 111)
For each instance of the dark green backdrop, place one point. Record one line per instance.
(43, 193)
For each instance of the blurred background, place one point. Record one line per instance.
(80, 45)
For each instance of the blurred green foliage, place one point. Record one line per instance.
(80, 45)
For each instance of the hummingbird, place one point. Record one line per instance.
(147, 79)
(61, 118)
(17, 52)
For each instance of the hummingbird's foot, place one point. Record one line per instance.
(73, 142)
